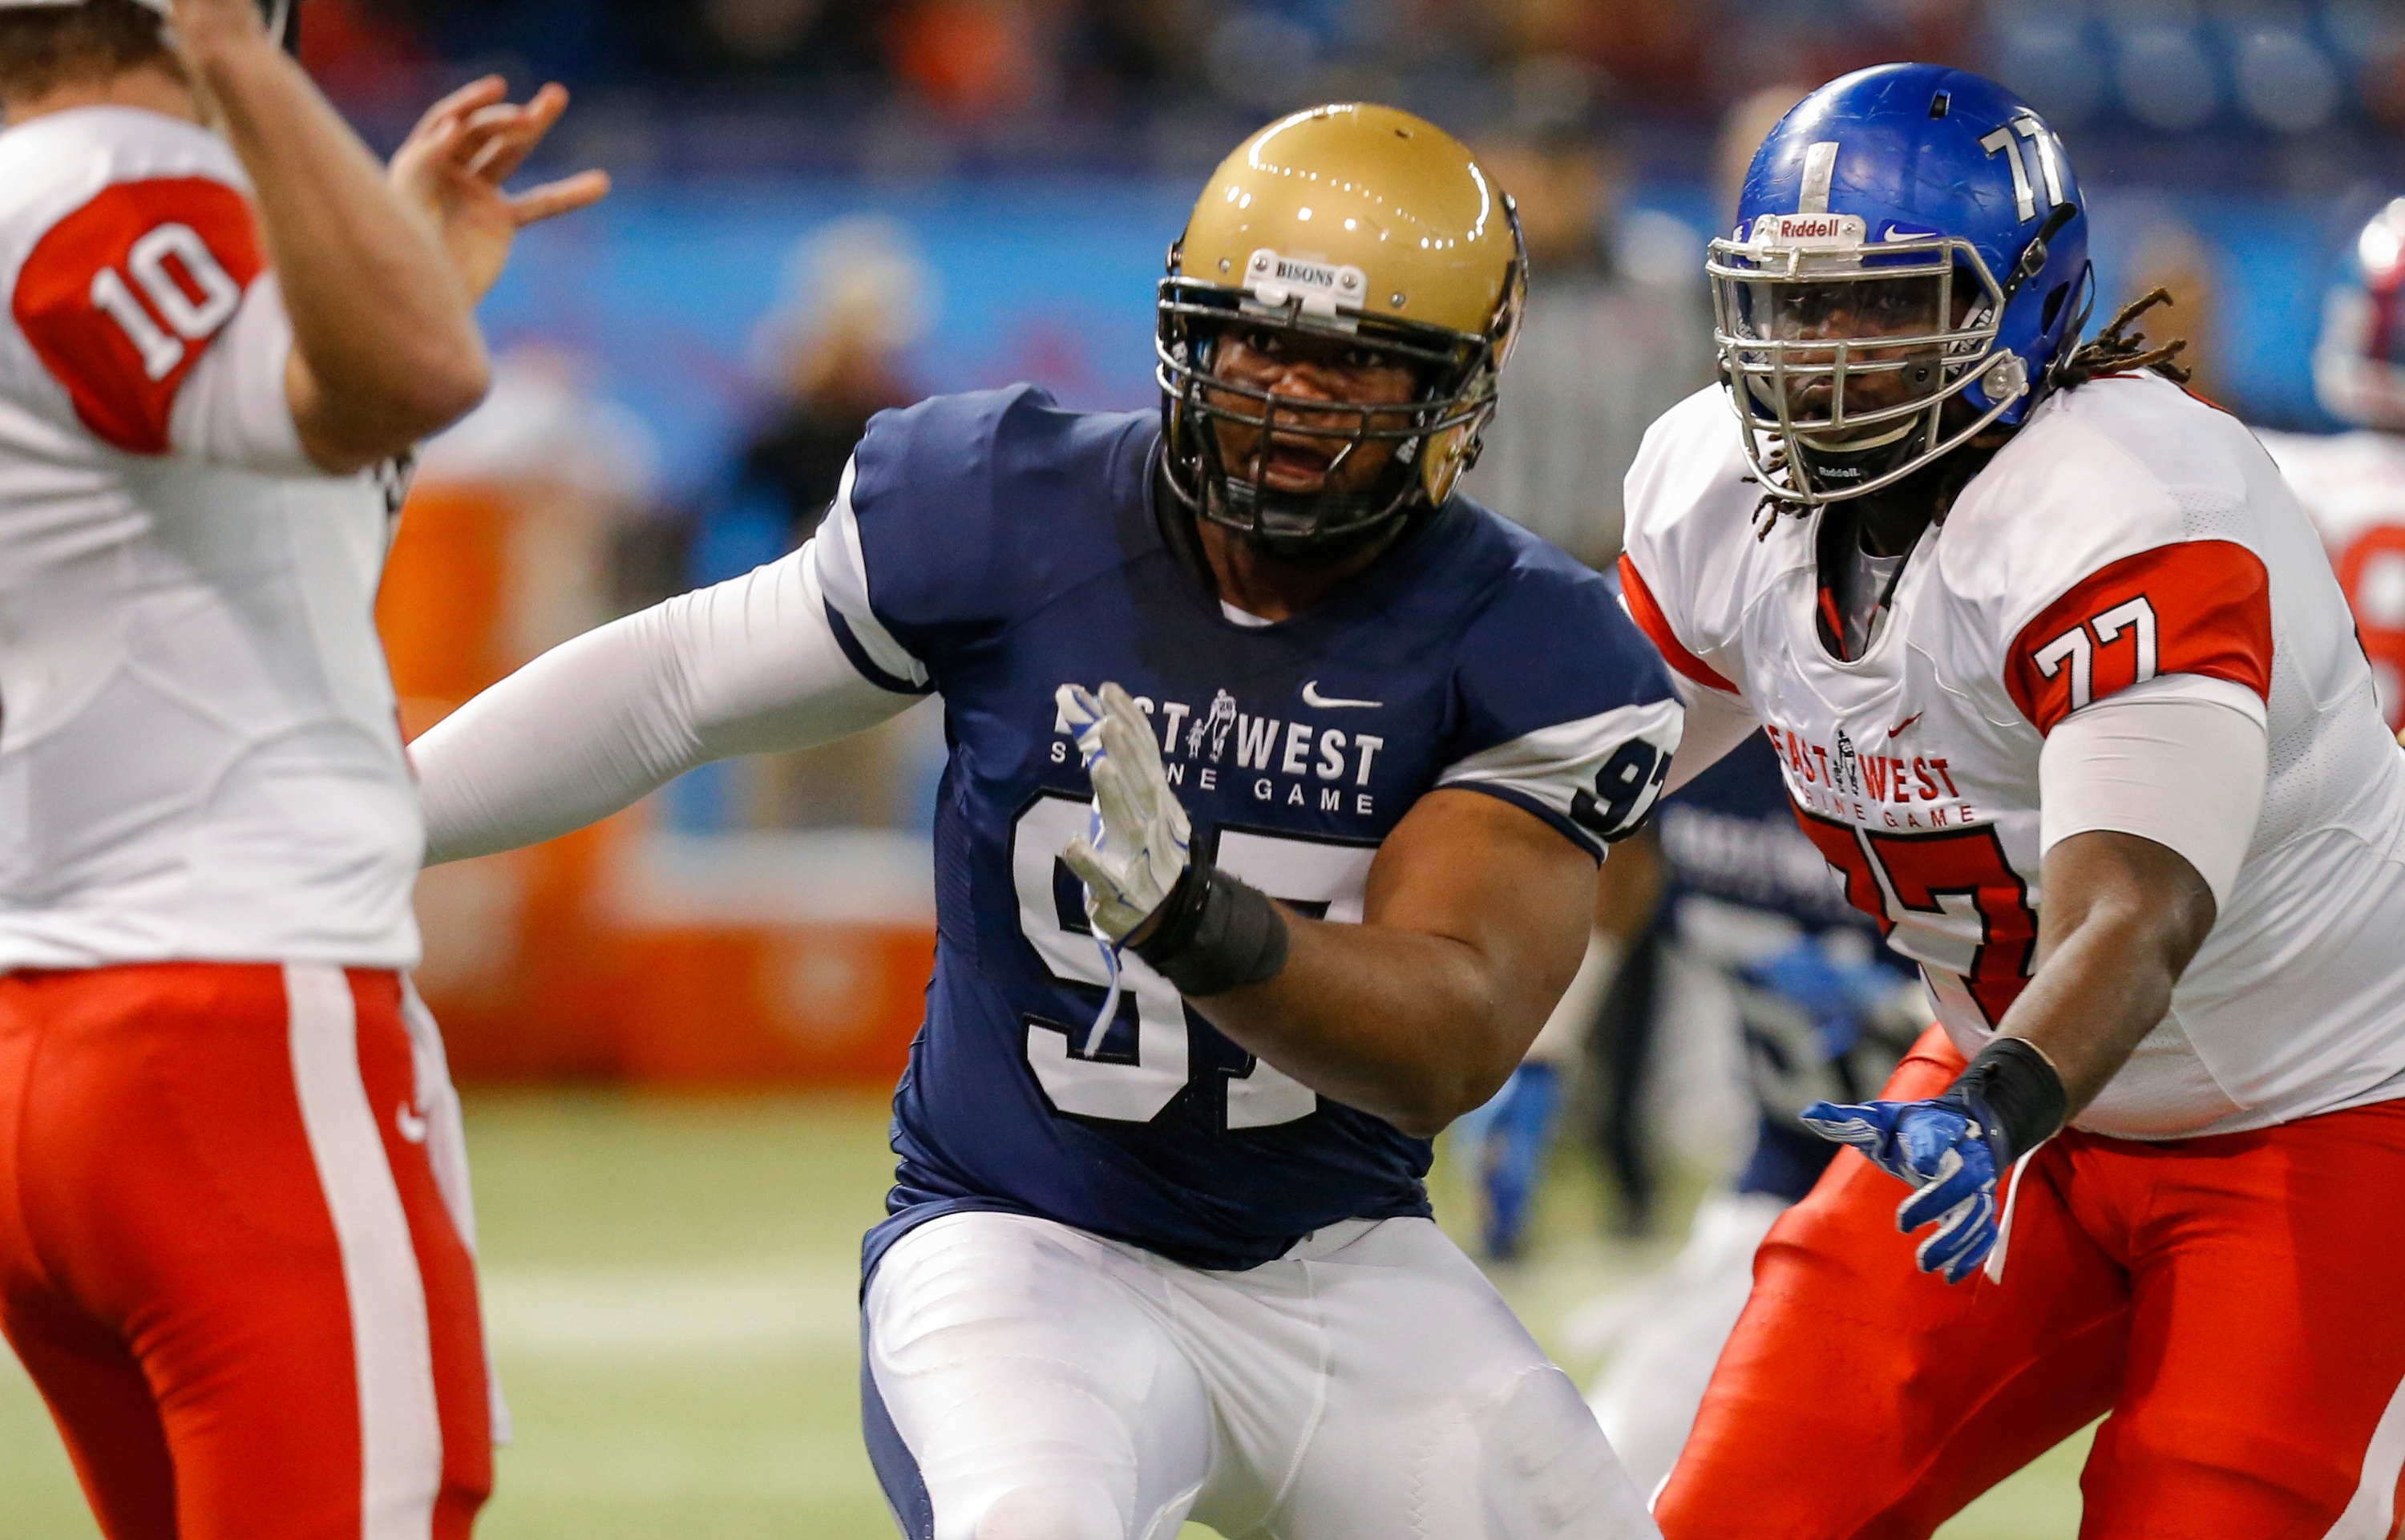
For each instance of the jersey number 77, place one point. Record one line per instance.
(1958, 878)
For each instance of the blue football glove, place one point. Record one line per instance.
(1840, 998)
(1513, 1136)
(1949, 1149)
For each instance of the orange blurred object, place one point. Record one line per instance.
(440, 609)
(619, 951)
(729, 1005)
(971, 59)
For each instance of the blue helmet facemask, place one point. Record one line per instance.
(1908, 237)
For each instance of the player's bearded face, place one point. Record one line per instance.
(1302, 445)
(1857, 373)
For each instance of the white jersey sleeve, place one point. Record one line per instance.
(750, 666)
(145, 313)
(2167, 574)
(1678, 573)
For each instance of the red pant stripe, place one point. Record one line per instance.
(226, 1259)
(2229, 1300)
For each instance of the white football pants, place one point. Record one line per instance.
(1671, 1331)
(1025, 1380)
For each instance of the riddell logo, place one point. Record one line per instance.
(1808, 230)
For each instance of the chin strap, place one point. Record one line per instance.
(1096, 1033)
(284, 25)
(1111, 969)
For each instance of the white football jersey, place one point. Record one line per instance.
(199, 752)
(2353, 486)
(2127, 532)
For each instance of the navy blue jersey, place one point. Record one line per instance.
(991, 547)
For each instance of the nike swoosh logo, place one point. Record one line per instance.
(411, 1123)
(1311, 697)
(1906, 723)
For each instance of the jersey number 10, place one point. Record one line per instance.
(1317, 876)
(193, 317)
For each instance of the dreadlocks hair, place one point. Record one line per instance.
(46, 47)
(1765, 512)
(2114, 351)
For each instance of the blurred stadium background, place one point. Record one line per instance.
(677, 1029)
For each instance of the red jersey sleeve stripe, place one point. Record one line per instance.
(1648, 615)
(2200, 606)
(122, 298)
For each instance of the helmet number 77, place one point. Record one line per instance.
(2041, 145)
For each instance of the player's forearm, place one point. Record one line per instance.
(2123, 918)
(585, 730)
(384, 341)
(1414, 1028)
(1477, 917)
(749, 666)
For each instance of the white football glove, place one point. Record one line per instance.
(1135, 849)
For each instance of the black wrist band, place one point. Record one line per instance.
(1216, 934)
(2021, 1089)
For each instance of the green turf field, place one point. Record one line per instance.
(669, 1286)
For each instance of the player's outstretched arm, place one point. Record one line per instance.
(1476, 920)
(385, 349)
(2149, 803)
(751, 665)
(2123, 918)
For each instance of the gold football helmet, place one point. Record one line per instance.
(1353, 221)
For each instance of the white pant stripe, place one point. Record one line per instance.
(2372, 1514)
(400, 1430)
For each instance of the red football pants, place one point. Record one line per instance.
(225, 1259)
(2235, 1304)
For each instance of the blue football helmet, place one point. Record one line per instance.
(1908, 235)
(2359, 364)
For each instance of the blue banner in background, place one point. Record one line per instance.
(661, 292)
